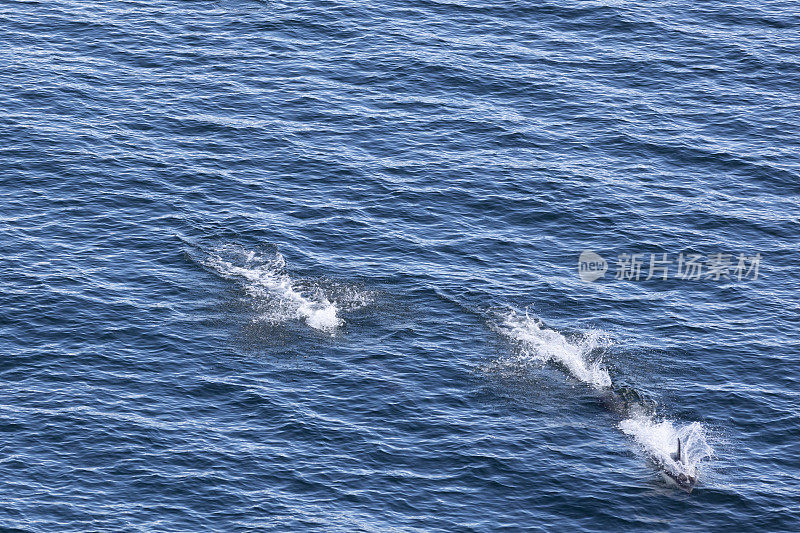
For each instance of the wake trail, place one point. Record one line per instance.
(276, 296)
(580, 356)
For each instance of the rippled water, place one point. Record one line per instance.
(314, 265)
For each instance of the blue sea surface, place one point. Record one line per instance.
(313, 265)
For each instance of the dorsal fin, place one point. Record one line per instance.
(678, 455)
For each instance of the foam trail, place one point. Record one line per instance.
(658, 438)
(266, 281)
(537, 341)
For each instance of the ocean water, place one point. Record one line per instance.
(313, 265)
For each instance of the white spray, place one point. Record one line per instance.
(658, 438)
(266, 281)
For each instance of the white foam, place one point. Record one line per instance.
(659, 439)
(273, 289)
(536, 341)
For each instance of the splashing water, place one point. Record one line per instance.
(659, 440)
(274, 290)
(541, 343)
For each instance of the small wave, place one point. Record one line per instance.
(659, 440)
(535, 341)
(278, 297)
